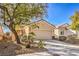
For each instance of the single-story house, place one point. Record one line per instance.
(64, 30)
(45, 30)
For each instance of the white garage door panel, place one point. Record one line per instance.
(43, 34)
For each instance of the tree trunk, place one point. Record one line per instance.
(15, 34)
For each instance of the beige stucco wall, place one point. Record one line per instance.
(45, 31)
(66, 32)
(56, 31)
(45, 27)
(27, 30)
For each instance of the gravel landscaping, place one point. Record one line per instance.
(52, 48)
(13, 49)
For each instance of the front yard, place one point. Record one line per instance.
(56, 48)
(51, 48)
(13, 49)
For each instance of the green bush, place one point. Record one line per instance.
(27, 39)
(7, 37)
(72, 39)
(62, 38)
(40, 44)
(30, 37)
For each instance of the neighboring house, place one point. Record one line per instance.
(64, 30)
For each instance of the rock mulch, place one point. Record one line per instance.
(13, 49)
(8, 48)
(30, 50)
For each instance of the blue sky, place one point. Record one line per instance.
(59, 13)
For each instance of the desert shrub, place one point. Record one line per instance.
(72, 39)
(7, 36)
(40, 44)
(53, 37)
(62, 38)
(31, 36)
(28, 39)
(7, 33)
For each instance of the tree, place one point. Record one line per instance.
(75, 22)
(21, 14)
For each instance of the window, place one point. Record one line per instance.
(62, 33)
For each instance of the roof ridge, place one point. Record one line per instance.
(45, 21)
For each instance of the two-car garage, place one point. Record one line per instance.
(43, 34)
(45, 30)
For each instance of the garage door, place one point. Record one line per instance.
(42, 34)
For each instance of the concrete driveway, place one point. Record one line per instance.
(61, 48)
(57, 48)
